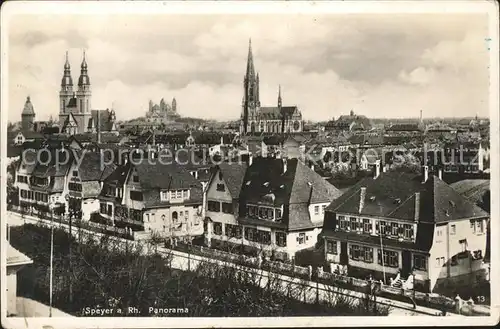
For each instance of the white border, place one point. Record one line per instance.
(231, 7)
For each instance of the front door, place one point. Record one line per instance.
(406, 270)
(344, 258)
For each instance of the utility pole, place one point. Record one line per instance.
(51, 258)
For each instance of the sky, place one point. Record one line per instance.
(378, 65)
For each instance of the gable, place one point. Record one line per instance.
(213, 193)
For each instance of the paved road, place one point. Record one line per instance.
(182, 261)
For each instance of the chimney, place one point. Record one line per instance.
(284, 165)
(426, 173)
(417, 206)
(377, 169)
(440, 173)
(362, 197)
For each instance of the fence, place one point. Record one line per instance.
(290, 270)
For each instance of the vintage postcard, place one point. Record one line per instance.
(249, 164)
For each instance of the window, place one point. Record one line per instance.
(186, 214)
(472, 225)
(323, 208)
(250, 234)
(478, 254)
(382, 227)
(408, 231)
(301, 239)
(453, 229)
(175, 216)
(368, 253)
(227, 208)
(343, 222)
(463, 244)
(367, 225)
(213, 206)
(454, 261)
(135, 178)
(264, 237)
(354, 224)
(110, 210)
(136, 195)
(221, 187)
(278, 214)
(316, 210)
(331, 247)
(480, 226)
(420, 262)
(390, 258)
(354, 252)
(281, 239)
(218, 228)
(75, 173)
(394, 229)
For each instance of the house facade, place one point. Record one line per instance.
(274, 207)
(85, 179)
(407, 224)
(41, 178)
(165, 200)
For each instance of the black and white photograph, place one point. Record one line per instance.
(249, 164)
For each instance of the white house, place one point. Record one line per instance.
(274, 207)
(411, 224)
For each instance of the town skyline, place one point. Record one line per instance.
(433, 69)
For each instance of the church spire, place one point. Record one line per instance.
(279, 96)
(250, 66)
(84, 79)
(67, 81)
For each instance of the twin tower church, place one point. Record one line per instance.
(265, 119)
(75, 107)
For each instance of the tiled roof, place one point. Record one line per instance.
(52, 168)
(393, 195)
(299, 186)
(91, 189)
(233, 175)
(472, 189)
(92, 166)
(404, 127)
(155, 177)
(119, 175)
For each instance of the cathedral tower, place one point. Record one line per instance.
(66, 87)
(250, 101)
(84, 94)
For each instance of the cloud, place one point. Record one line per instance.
(376, 65)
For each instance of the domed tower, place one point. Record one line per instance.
(66, 87)
(28, 116)
(83, 98)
